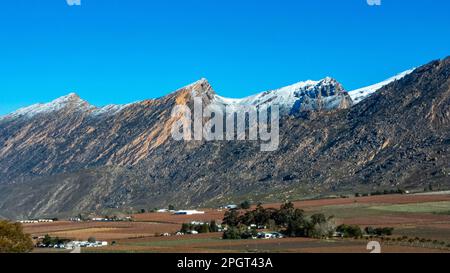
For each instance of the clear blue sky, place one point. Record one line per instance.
(119, 51)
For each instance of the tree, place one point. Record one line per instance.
(271, 224)
(287, 206)
(142, 211)
(321, 227)
(369, 230)
(245, 205)
(47, 240)
(13, 239)
(350, 231)
(203, 228)
(388, 231)
(185, 228)
(248, 234)
(297, 227)
(318, 218)
(232, 233)
(213, 226)
(92, 240)
(171, 207)
(262, 215)
(288, 214)
(248, 218)
(231, 218)
(385, 231)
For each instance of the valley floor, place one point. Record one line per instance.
(421, 221)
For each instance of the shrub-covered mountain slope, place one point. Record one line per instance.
(69, 157)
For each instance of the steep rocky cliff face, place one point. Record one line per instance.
(68, 156)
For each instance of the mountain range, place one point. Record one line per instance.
(68, 156)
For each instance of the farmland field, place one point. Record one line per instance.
(422, 217)
(430, 207)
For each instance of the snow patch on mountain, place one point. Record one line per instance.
(283, 96)
(71, 100)
(110, 109)
(360, 94)
(326, 94)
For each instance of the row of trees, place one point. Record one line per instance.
(202, 228)
(384, 192)
(290, 221)
(51, 241)
(350, 231)
(142, 211)
(355, 231)
(385, 231)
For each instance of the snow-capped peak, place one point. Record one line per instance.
(202, 81)
(360, 94)
(71, 96)
(285, 93)
(307, 95)
(71, 99)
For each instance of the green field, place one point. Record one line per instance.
(348, 211)
(431, 207)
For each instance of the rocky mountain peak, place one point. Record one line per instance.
(326, 94)
(71, 96)
(201, 87)
(71, 101)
